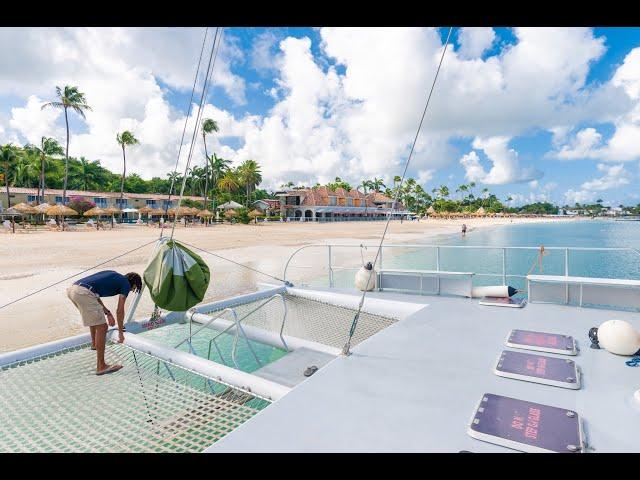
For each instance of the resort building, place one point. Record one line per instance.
(101, 199)
(268, 206)
(323, 204)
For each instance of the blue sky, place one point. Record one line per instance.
(535, 114)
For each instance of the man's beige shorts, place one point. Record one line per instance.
(87, 303)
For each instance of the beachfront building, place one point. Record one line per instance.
(268, 206)
(325, 205)
(101, 199)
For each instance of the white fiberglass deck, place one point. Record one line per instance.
(414, 386)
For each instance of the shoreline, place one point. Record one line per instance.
(39, 259)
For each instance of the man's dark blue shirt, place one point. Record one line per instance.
(106, 283)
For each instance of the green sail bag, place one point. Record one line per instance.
(176, 277)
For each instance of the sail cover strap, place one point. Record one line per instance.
(177, 278)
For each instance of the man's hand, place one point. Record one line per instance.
(110, 319)
(120, 336)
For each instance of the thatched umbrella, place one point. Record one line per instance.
(25, 208)
(43, 207)
(204, 214)
(431, 210)
(94, 212)
(112, 211)
(255, 214)
(179, 211)
(60, 211)
(229, 214)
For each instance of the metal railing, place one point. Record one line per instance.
(331, 266)
(239, 330)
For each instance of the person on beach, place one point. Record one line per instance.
(464, 229)
(86, 295)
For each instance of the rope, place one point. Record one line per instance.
(186, 121)
(76, 274)
(354, 324)
(538, 260)
(235, 263)
(210, 67)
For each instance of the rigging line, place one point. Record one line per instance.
(354, 324)
(186, 121)
(234, 262)
(198, 118)
(76, 274)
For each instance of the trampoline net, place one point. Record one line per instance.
(310, 319)
(56, 403)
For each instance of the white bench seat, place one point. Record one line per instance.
(598, 291)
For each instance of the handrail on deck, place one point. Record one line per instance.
(504, 275)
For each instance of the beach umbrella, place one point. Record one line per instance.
(179, 211)
(431, 210)
(255, 214)
(112, 211)
(25, 208)
(480, 211)
(146, 210)
(205, 214)
(60, 211)
(42, 208)
(230, 205)
(94, 212)
(229, 214)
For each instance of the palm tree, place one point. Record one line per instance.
(218, 167)
(8, 155)
(70, 98)
(377, 184)
(48, 147)
(88, 171)
(208, 126)
(125, 138)
(485, 194)
(249, 175)
(229, 181)
(443, 191)
(365, 185)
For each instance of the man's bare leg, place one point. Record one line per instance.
(101, 340)
(93, 337)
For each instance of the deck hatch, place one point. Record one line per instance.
(542, 342)
(526, 426)
(558, 372)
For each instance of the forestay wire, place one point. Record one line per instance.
(186, 121)
(354, 324)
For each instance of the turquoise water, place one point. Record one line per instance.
(518, 263)
(173, 334)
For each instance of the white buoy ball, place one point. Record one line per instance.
(366, 278)
(619, 337)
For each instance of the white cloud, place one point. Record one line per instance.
(425, 176)
(262, 57)
(34, 123)
(357, 124)
(506, 167)
(474, 41)
(615, 176)
(623, 145)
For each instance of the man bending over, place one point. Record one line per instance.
(85, 295)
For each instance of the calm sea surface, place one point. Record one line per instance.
(519, 262)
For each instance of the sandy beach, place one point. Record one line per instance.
(32, 261)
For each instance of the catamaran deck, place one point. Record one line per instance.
(414, 386)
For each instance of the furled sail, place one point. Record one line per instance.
(177, 278)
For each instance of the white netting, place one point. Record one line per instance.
(311, 320)
(56, 403)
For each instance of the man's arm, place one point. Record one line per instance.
(108, 313)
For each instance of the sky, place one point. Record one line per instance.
(535, 114)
